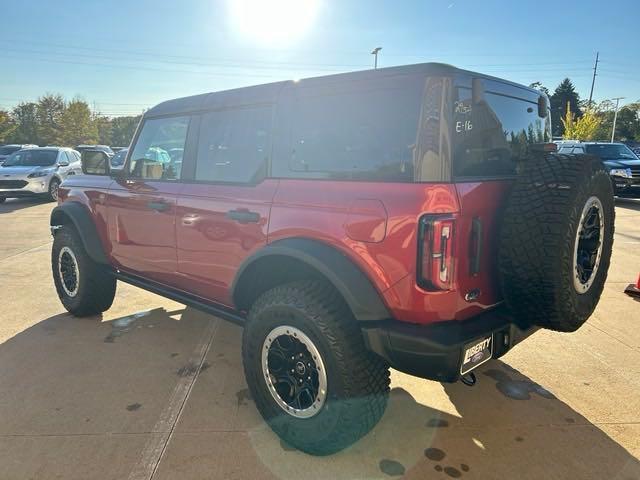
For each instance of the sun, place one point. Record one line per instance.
(273, 22)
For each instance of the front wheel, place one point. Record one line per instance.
(53, 189)
(309, 373)
(84, 286)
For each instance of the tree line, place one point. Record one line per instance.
(51, 120)
(576, 119)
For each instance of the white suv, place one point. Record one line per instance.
(37, 171)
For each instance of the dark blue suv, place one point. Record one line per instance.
(623, 164)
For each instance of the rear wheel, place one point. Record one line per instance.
(556, 240)
(84, 286)
(308, 370)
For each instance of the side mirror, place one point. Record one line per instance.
(543, 106)
(95, 162)
(63, 163)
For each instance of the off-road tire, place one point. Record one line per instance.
(357, 380)
(52, 194)
(537, 240)
(96, 287)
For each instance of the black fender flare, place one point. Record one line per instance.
(78, 215)
(355, 287)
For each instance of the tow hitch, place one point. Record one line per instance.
(469, 379)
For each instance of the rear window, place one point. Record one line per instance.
(348, 133)
(492, 135)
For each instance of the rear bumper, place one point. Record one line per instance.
(435, 351)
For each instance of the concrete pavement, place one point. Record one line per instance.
(155, 390)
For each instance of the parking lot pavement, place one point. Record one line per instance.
(156, 389)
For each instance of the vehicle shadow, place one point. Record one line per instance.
(80, 398)
(13, 204)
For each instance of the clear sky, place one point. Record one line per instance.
(128, 55)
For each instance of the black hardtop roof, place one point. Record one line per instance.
(268, 93)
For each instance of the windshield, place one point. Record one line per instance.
(611, 152)
(8, 150)
(32, 158)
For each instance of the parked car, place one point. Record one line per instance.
(399, 217)
(37, 171)
(621, 162)
(117, 161)
(6, 150)
(104, 148)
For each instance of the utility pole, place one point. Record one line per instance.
(375, 54)
(595, 73)
(615, 118)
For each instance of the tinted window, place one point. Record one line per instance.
(33, 158)
(150, 158)
(234, 145)
(611, 151)
(492, 135)
(363, 135)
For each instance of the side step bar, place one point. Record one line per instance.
(182, 297)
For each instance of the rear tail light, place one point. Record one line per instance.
(435, 252)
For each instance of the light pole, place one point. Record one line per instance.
(615, 118)
(375, 54)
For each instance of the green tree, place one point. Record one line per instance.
(7, 126)
(122, 130)
(25, 118)
(50, 109)
(76, 124)
(565, 94)
(541, 87)
(104, 128)
(585, 128)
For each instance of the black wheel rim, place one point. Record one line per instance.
(588, 245)
(68, 271)
(294, 372)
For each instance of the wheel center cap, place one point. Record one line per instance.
(300, 368)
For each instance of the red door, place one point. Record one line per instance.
(142, 215)
(142, 204)
(223, 214)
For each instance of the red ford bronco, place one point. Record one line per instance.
(409, 217)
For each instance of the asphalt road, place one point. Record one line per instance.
(152, 389)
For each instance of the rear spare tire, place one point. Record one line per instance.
(556, 240)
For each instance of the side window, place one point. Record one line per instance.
(356, 135)
(234, 145)
(577, 150)
(70, 158)
(158, 152)
(492, 135)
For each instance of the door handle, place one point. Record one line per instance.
(243, 216)
(159, 206)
